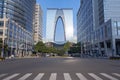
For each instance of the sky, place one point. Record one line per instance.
(75, 4)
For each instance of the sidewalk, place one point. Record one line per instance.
(22, 57)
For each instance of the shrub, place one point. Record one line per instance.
(115, 58)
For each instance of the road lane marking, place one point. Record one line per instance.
(2, 75)
(25, 76)
(67, 76)
(81, 77)
(108, 76)
(95, 76)
(12, 76)
(116, 74)
(53, 76)
(69, 57)
(39, 76)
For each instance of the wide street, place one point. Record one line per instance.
(60, 69)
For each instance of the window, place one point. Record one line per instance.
(115, 24)
(1, 23)
(118, 27)
(118, 24)
(35, 31)
(1, 32)
(6, 32)
(11, 26)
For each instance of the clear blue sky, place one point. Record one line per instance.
(75, 4)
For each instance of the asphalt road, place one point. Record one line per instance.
(60, 69)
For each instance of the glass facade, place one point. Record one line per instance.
(98, 27)
(21, 11)
(117, 28)
(16, 25)
(1, 23)
(16, 37)
(85, 27)
(111, 9)
(67, 18)
(101, 11)
(1, 8)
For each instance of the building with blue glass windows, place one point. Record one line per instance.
(16, 25)
(98, 27)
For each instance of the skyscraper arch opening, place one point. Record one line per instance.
(59, 35)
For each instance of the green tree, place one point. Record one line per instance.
(61, 52)
(75, 48)
(67, 46)
(78, 44)
(40, 47)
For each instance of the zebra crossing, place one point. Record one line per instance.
(66, 76)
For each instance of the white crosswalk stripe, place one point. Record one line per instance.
(67, 76)
(12, 76)
(95, 76)
(116, 74)
(108, 76)
(81, 77)
(39, 76)
(2, 75)
(53, 76)
(25, 76)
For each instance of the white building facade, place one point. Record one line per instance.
(38, 24)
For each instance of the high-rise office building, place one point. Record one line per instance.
(52, 18)
(98, 23)
(85, 24)
(16, 25)
(38, 24)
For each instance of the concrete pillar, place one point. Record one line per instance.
(113, 47)
(90, 49)
(99, 48)
(23, 53)
(19, 53)
(81, 50)
(11, 51)
(105, 47)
